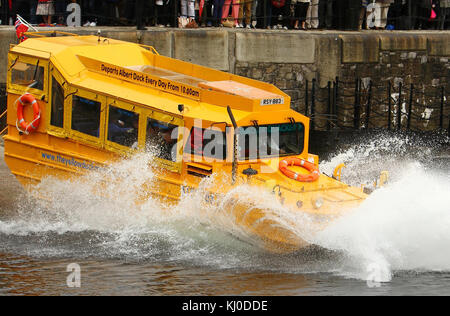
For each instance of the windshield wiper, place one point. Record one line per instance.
(34, 82)
(35, 71)
(235, 145)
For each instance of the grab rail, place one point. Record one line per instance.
(4, 130)
(151, 48)
(45, 33)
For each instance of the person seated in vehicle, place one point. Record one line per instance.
(159, 140)
(117, 130)
(169, 150)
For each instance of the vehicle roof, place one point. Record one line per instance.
(132, 72)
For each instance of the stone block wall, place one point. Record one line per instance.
(290, 59)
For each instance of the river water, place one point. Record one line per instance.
(396, 243)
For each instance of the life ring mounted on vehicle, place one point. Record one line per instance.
(22, 125)
(313, 175)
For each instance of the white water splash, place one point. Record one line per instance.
(405, 226)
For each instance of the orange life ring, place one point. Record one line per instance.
(28, 99)
(313, 175)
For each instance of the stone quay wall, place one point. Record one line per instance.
(417, 61)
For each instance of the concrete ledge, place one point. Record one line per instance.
(162, 41)
(118, 34)
(328, 58)
(360, 48)
(439, 45)
(405, 41)
(275, 47)
(318, 54)
(206, 48)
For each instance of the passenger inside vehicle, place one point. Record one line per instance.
(123, 127)
(161, 139)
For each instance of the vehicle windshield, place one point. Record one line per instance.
(31, 76)
(266, 141)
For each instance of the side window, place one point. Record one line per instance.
(28, 75)
(57, 108)
(123, 127)
(161, 139)
(207, 143)
(86, 116)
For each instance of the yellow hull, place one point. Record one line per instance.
(86, 90)
(30, 163)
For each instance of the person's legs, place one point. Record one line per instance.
(139, 12)
(183, 4)
(309, 16)
(324, 9)
(315, 14)
(361, 17)
(33, 5)
(312, 15)
(60, 9)
(303, 10)
(269, 13)
(286, 13)
(446, 17)
(295, 17)
(248, 11)
(235, 11)
(329, 14)
(384, 14)
(424, 15)
(260, 12)
(226, 9)
(255, 7)
(169, 13)
(218, 9)
(191, 9)
(241, 11)
(274, 16)
(163, 16)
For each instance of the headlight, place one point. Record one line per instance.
(317, 202)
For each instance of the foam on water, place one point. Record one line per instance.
(404, 226)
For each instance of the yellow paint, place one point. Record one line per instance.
(337, 173)
(133, 78)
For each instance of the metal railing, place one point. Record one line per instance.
(332, 14)
(3, 111)
(364, 104)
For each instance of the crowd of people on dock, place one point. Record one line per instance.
(267, 14)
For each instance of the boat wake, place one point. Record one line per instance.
(402, 227)
(405, 226)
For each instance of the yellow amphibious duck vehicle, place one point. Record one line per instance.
(76, 103)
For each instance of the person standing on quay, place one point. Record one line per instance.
(245, 8)
(424, 13)
(300, 11)
(444, 13)
(188, 14)
(326, 14)
(234, 11)
(217, 12)
(364, 4)
(380, 24)
(312, 17)
(46, 9)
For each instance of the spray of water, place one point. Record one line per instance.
(404, 226)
